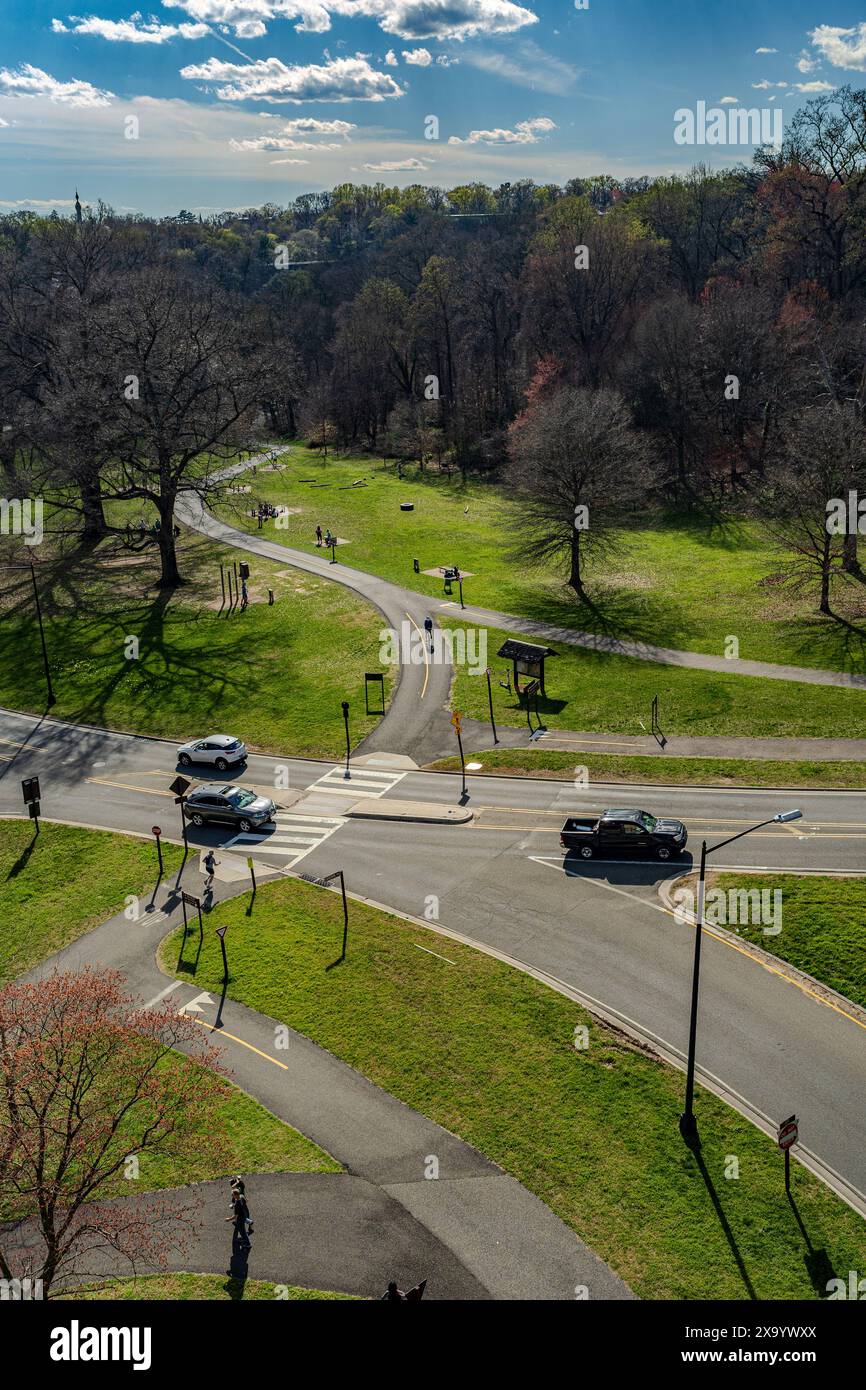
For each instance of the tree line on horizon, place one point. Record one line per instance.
(694, 341)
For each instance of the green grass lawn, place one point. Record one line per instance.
(182, 1288)
(587, 691)
(539, 761)
(823, 929)
(490, 1054)
(674, 580)
(274, 675)
(56, 885)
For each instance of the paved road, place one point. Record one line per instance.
(765, 1041)
(417, 722)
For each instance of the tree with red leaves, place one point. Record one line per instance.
(91, 1081)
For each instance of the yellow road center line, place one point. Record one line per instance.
(127, 787)
(223, 1034)
(426, 654)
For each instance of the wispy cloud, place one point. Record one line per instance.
(28, 81)
(526, 65)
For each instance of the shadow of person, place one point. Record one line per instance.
(239, 1259)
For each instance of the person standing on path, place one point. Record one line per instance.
(318, 535)
(240, 1216)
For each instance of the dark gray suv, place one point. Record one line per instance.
(229, 805)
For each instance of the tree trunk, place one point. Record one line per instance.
(91, 504)
(575, 580)
(825, 577)
(169, 573)
(850, 562)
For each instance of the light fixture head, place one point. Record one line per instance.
(789, 815)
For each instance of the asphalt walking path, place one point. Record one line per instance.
(474, 1232)
(417, 723)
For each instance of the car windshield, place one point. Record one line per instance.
(647, 821)
(241, 798)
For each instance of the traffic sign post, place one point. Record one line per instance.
(221, 933)
(252, 870)
(488, 673)
(192, 901)
(30, 791)
(180, 786)
(788, 1135)
(156, 832)
(456, 720)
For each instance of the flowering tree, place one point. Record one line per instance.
(89, 1087)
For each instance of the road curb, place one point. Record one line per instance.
(767, 958)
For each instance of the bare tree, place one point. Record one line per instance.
(575, 460)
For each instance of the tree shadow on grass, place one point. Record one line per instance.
(829, 643)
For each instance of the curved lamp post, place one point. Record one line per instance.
(688, 1123)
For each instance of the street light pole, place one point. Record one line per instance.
(688, 1123)
(490, 702)
(345, 704)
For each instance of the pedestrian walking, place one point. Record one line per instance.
(318, 535)
(240, 1217)
(210, 864)
(428, 628)
(244, 596)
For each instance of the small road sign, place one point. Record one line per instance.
(789, 1133)
(456, 720)
(190, 900)
(179, 786)
(30, 788)
(156, 830)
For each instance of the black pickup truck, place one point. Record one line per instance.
(617, 833)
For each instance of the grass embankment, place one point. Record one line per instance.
(274, 675)
(684, 772)
(56, 885)
(678, 581)
(822, 926)
(590, 692)
(181, 1288)
(59, 884)
(490, 1054)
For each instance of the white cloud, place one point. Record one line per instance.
(395, 166)
(271, 144)
(29, 81)
(2, 122)
(290, 161)
(406, 19)
(309, 125)
(524, 133)
(444, 61)
(132, 30)
(527, 65)
(765, 85)
(417, 57)
(729, 101)
(766, 50)
(37, 203)
(844, 48)
(807, 64)
(269, 79)
(391, 59)
(814, 86)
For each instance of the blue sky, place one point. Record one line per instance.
(232, 103)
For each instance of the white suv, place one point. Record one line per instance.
(222, 751)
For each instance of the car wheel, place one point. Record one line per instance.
(245, 826)
(663, 852)
(221, 764)
(586, 851)
(184, 760)
(197, 819)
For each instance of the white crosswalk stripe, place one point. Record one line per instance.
(294, 837)
(366, 781)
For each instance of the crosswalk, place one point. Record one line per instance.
(318, 815)
(365, 781)
(295, 837)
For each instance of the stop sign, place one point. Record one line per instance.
(155, 830)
